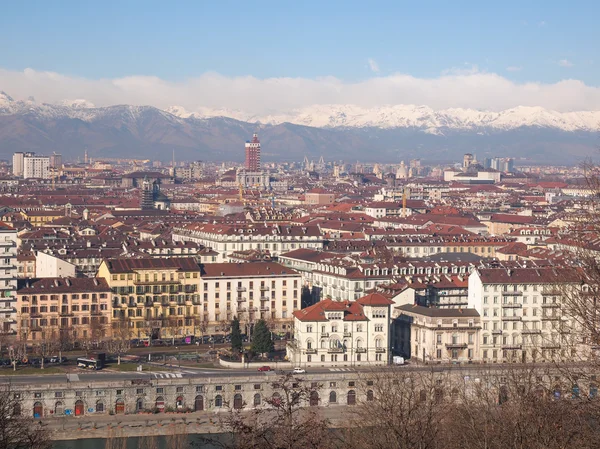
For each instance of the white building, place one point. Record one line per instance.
(8, 279)
(36, 167)
(250, 291)
(522, 313)
(342, 333)
(17, 165)
(49, 266)
(437, 335)
(276, 239)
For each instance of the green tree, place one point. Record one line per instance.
(236, 336)
(262, 341)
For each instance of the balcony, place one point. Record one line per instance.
(551, 292)
(310, 351)
(380, 350)
(242, 299)
(550, 305)
(347, 334)
(511, 305)
(531, 331)
(550, 346)
(264, 288)
(550, 318)
(324, 334)
(264, 308)
(360, 350)
(8, 244)
(96, 312)
(335, 350)
(512, 293)
(7, 309)
(265, 298)
(496, 331)
(511, 318)
(456, 346)
(241, 289)
(66, 313)
(511, 347)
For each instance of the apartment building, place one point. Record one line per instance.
(342, 333)
(36, 167)
(277, 239)
(73, 308)
(436, 335)
(250, 291)
(428, 246)
(523, 315)
(157, 296)
(8, 278)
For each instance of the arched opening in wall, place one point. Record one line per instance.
(119, 406)
(17, 409)
(179, 402)
(370, 395)
(139, 405)
(59, 409)
(314, 399)
(351, 397)
(218, 401)
(199, 403)
(454, 393)
(79, 408)
(38, 410)
(257, 400)
(238, 402)
(100, 407)
(160, 404)
(332, 397)
(422, 396)
(503, 395)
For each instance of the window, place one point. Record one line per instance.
(160, 390)
(139, 391)
(218, 401)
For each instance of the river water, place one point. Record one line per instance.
(198, 441)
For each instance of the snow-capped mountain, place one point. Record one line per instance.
(411, 116)
(348, 132)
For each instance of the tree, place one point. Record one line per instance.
(262, 342)
(282, 421)
(45, 348)
(236, 336)
(17, 352)
(120, 341)
(16, 430)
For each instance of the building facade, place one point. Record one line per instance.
(65, 308)
(36, 167)
(8, 279)
(158, 298)
(342, 333)
(435, 335)
(252, 162)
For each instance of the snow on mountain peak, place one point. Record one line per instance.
(79, 103)
(5, 98)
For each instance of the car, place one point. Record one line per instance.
(298, 371)
(264, 368)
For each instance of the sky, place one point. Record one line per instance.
(279, 55)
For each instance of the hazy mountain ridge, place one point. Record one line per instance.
(384, 134)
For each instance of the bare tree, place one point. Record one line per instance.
(398, 409)
(282, 421)
(45, 348)
(16, 430)
(177, 437)
(120, 341)
(17, 352)
(148, 442)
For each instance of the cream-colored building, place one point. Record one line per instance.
(342, 333)
(250, 291)
(436, 335)
(159, 297)
(67, 308)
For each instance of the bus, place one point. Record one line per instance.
(94, 364)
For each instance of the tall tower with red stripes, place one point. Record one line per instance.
(253, 154)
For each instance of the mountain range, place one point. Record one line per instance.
(347, 132)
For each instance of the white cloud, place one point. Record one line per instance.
(459, 88)
(514, 68)
(373, 65)
(565, 63)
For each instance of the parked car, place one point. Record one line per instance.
(298, 371)
(264, 368)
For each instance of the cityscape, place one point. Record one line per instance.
(324, 269)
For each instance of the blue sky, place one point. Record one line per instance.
(353, 41)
